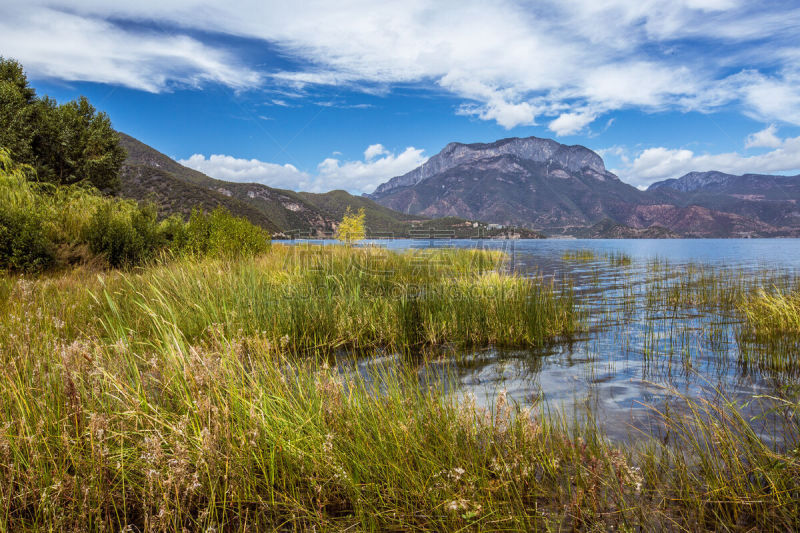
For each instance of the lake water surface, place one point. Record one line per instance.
(634, 358)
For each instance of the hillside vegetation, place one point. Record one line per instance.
(44, 226)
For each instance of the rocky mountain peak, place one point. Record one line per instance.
(574, 158)
(693, 181)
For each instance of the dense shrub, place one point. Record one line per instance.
(174, 231)
(125, 233)
(73, 210)
(24, 244)
(223, 235)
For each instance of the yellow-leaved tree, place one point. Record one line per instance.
(352, 228)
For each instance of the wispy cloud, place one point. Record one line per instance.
(73, 47)
(558, 62)
(343, 105)
(280, 103)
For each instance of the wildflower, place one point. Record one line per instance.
(635, 478)
(196, 485)
(327, 446)
(456, 505)
(471, 509)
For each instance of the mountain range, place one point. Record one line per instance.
(518, 186)
(149, 175)
(544, 185)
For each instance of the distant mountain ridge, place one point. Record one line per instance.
(762, 184)
(544, 185)
(692, 181)
(530, 184)
(774, 200)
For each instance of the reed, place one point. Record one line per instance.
(232, 434)
(331, 298)
(770, 313)
(583, 255)
(619, 259)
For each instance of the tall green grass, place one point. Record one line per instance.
(329, 298)
(773, 312)
(196, 395)
(233, 434)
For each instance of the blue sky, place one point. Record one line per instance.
(324, 95)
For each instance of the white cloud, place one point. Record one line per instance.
(378, 166)
(765, 138)
(638, 83)
(658, 163)
(619, 151)
(570, 123)
(66, 46)
(503, 107)
(511, 62)
(373, 151)
(229, 168)
(507, 114)
(365, 176)
(773, 98)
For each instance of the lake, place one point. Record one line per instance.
(635, 357)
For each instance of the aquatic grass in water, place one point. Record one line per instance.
(773, 312)
(619, 259)
(770, 334)
(579, 255)
(615, 258)
(336, 298)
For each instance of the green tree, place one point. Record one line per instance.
(78, 145)
(19, 113)
(352, 227)
(66, 144)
